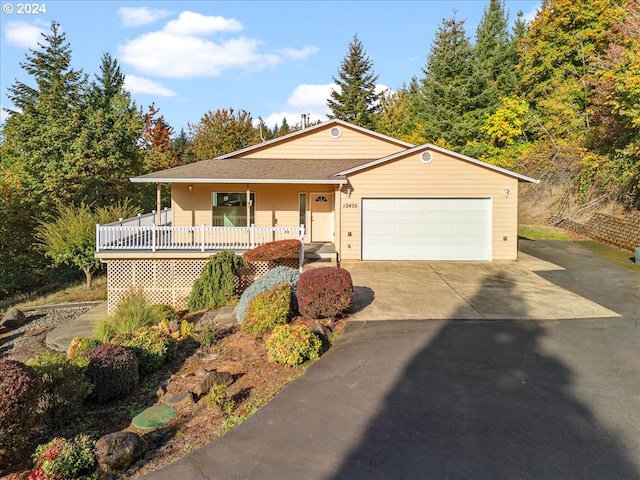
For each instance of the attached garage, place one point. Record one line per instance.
(427, 229)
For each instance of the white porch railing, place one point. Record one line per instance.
(153, 238)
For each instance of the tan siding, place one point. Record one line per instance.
(319, 144)
(444, 177)
(276, 205)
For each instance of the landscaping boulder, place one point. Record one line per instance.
(178, 400)
(116, 451)
(14, 318)
(212, 379)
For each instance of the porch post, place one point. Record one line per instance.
(159, 203)
(248, 202)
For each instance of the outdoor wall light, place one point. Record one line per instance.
(506, 192)
(349, 190)
(190, 188)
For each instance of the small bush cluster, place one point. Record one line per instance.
(132, 313)
(20, 388)
(152, 347)
(216, 286)
(268, 309)
(324, 292)
(219, 398)
(293, 345)
(113, 371)
(273, 251)
(64, 459)
(79, 345)
(273, 277)
(65, 386)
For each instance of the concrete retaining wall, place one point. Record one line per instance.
(620, 231)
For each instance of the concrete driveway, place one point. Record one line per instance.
(467, 291)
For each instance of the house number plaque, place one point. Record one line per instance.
(350, 205)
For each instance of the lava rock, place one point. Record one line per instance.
(212, 379)
(116, 451)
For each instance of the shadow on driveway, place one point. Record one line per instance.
(492, 400)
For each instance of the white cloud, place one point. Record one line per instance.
(182, 50)
(530, 16)
(310, 99)
(298, 54)
(23, 34)
(136, 84)
(134, 17)
(165, 55)
(306, 98)
(196, 24)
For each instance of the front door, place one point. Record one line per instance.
(322, 217)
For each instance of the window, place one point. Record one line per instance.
(321, 199)
(229, 209)
(302, 208)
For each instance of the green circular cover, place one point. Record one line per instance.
(153, 417)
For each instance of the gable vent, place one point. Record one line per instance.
(426, 157)
(335, 132)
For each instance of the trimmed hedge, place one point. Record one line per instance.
(273, 277)
(20, 389)
(272, 251)
(113, 371)
(324, 292)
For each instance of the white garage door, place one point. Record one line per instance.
(426, 229)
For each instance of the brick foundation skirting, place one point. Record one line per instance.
(169, 281)
(619, 231)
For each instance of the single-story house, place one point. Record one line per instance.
(369, 197)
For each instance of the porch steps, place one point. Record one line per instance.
(320, 255)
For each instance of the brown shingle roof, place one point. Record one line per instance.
(257, 170)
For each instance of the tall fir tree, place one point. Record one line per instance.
(105, 153)
(450, 88)
(355, 100)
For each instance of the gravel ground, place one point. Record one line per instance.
(28, 340)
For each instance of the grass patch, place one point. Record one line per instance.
(542, 232)
(75, 292)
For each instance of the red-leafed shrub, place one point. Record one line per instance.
(20, 389)
(324, 292)
(272, 251)
(113, 371)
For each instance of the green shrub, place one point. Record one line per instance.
(164, 312)
(113, 371)
(216, 286)
(132, 313)
(293, 345)
(187, 329)
(218, 397)
(208, 335)
(273, 251)
(151, 345)
(65, 386)
(64, 459)
(268, 309)
(324, 292)
(20, 388)
(273, 277)
(79, 345)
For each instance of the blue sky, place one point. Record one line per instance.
(270, 58)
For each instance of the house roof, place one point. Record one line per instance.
(256, 170)
(231, 168)
(429, 146)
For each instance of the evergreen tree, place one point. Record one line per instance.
(450, 88)
(105, 153)
(356, 100)
(38, 135)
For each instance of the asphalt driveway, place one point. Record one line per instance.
(461, 398)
